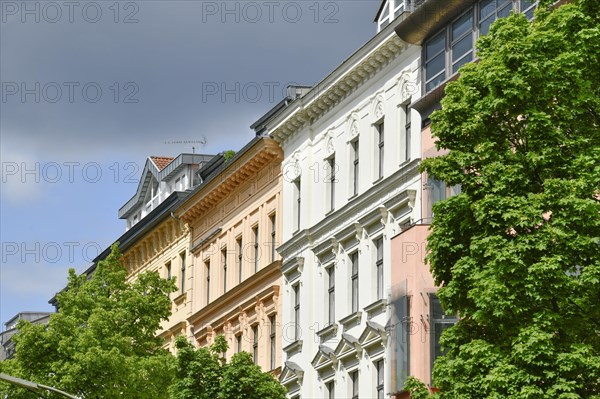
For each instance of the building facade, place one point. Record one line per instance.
(446, 32)
(7, 345)
(235, 224)
(350, 180)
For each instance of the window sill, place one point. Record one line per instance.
(178, 300)
(293, 348)
(378, 180)
(351, 320)
(328, 332)
(376, 308)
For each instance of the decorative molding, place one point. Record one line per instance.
(381, 52)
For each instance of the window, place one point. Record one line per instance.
(354, 281)
(331, 293)
(354, 381)
(380, 131)
(435, 61)
(407, 132)
(491, 10)
(240, 259)
(380, 379)
(461, 44)
(273, 341)
(182, 258)
(207, 267)
(527, 7)
(331, 181)
(297, 204)
(439, 322)
(446, 51)
(238, 339)
(224, 263)
(255, 343)
(330, 386)
(256, 256)
(296, 289)
(273, 236)
(379, 267)
(355, 170)
(169, 276)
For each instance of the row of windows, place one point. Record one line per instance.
(255, 339)
(239, 259)
(331, 178)
(446, 51)
(182, 262)
(439, 321)
(354, 383)
(354, 287)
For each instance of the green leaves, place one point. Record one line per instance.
(102, 343)
(203, 374)
(517, 252)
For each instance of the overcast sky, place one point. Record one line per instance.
(90, 89)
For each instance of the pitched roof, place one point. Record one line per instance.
(161, 162)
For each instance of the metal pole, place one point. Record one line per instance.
(32, 386)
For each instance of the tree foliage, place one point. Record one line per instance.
(204, 374)
(517, 253)
(102, 343)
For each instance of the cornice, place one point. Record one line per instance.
(219, 308)
(363, 65)
(341, 219)
(234, 174)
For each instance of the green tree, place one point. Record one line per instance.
(204, 374)
(517, 253)
(102, 343)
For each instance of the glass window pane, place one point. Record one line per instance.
(525, 4)
(435, 82)
(435, 45)
(484, 26)
(462, 25)
(435, 66)
(462, 47)
(463, 61)
(505, 10)
(486, 8)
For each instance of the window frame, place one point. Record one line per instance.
(255, 343)
(331, 294)
(476, 31)
(354, 376)
(331, 181)
(354, 281)
(297, 185)
(380, 130)
(273, 341)
(255, 233)
(379, 249)
(296, 292)
(183, 258)
(207, 270)
(273, 220)
(224, 264)
(355, 144)
(380, 379)
(240, 257)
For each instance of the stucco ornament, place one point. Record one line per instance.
(292, 170)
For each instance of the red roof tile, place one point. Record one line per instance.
(161, 162)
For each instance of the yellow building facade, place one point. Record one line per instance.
(234, 225)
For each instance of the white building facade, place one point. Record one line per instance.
(351, 153)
